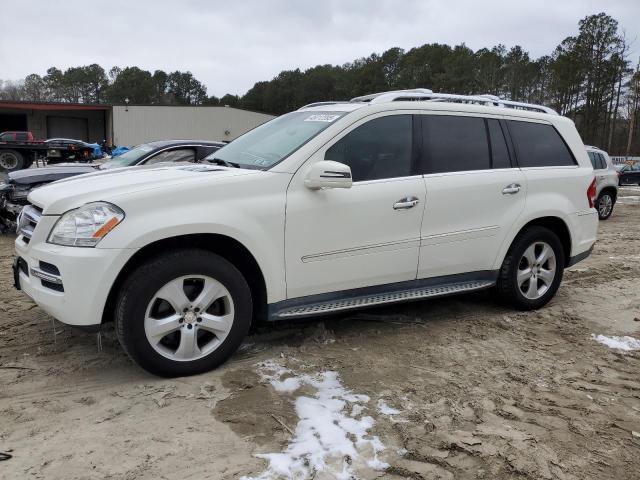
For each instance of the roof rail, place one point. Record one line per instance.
(319, 104)
(424, 94)
(415, 92)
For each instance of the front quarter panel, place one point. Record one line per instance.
(249, 209)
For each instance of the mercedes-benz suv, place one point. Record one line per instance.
(390, 197)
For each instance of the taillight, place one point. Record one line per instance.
(591, 193)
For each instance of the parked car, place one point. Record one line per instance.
(335, 206)
(19, 150)
(606, 181)
(14, 192)
(629, 174)
(68, 150)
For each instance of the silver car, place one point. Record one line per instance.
(606, 181)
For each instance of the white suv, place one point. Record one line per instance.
(340, 205)
(607, 179)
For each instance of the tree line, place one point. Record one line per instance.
(589, 77)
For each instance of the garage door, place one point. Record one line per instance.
(13, 121)
(68, 127)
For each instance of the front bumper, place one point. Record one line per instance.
(86, 276)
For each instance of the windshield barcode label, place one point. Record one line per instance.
(322, 118)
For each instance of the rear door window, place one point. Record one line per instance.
(539, 145)
(455, 144)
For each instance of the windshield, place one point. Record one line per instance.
(273, 141)
(132, 157)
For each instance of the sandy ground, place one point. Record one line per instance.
(455, 388)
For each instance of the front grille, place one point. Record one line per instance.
(27, 221)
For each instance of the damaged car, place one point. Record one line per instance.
(15, 189)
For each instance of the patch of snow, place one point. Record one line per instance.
(625, 343)
(386, 409)
(327, 438)
(356, 410)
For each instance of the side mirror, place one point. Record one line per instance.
(328, 174)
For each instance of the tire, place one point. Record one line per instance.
(511, 288)
(11, 160)
(604, 205)
(141, 309)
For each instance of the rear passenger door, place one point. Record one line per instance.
(474, 193)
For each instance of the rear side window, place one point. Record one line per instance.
(381, 148)
(455, 144)
(499, 150)
(539, 145)
(603, 161)
(597, 160)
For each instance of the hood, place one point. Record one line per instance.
(32, 176)
(59, 197)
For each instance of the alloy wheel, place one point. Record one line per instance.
(605, 205)
(536, 270)
(189, 317)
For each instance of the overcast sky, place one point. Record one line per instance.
(229, 45)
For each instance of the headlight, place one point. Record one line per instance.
(86, 226)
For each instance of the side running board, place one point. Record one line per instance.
(362, 301)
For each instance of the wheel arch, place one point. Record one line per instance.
(223, 245)
(558, 226)
(612, 190)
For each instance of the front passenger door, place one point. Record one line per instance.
(366, 235)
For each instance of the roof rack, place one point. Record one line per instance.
(424, 94)
(319, 104)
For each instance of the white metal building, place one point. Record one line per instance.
(127, 125)
(138, 124)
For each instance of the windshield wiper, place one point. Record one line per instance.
(224, 163)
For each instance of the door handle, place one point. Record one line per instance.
(405, 203)
(511, 189)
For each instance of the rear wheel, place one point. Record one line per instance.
(183, 313)
(11, 160)
(605, 205)
(532, 270)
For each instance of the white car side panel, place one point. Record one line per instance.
(237, 208)
(339, 239)
(466, 220)
(559, 192)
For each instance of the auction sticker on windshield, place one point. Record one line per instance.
(321, 118)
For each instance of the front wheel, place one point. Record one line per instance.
(532, 270)
(183, 313)
(604, 205)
